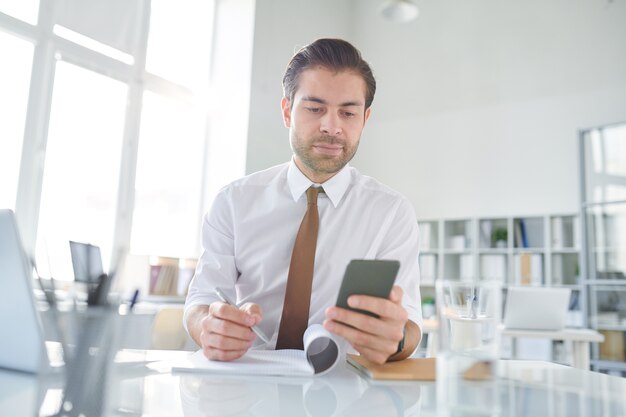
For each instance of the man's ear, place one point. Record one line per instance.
(285, 105)
(367, 114)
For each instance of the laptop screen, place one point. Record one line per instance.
(86, 262)
(536, 308)
(22, 346)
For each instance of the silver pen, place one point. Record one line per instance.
(222, 295)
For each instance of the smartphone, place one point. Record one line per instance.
(367, 277)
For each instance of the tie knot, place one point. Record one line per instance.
(311, 195)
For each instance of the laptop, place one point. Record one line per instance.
(23, 345)
(536, 308)
(86, 262)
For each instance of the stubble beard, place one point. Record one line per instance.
(321, 164)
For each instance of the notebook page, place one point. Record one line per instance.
(286, 362)
(322, 350)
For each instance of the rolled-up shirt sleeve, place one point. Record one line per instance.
(216, 266)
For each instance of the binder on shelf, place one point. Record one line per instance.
(493, 267)
(518, 235)
(428, 268)
(557, 233)
(524, 237)
(536, 269)
(466, 268)
(524, 268)
(485, 233)
(557, 269)
(164, 276)
(528, 268)
(613, 348)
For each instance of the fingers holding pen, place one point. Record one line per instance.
(226, 333)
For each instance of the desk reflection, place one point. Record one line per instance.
(342, 393)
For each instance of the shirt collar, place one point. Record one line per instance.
(335, 188)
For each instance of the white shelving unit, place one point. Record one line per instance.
(516, 250)
(531, 250)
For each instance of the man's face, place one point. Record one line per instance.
(325, 120)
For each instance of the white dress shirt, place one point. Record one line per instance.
(249, 233)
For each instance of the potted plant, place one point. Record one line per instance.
(499, 237)
(428, 307)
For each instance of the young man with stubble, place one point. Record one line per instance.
(252, 236)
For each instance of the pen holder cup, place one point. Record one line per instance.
(469, 346)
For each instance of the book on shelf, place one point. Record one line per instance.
(164, 277)
(528, 268)
(518, 235)
(466, 268)
(493, 267)
(523, 235)
(557, 269)
(613, 348)
(428, 268)
(557, 240)
(170, 276)
(485, 233)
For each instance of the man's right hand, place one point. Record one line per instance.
(224, 331)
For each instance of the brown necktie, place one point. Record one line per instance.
(295, 317)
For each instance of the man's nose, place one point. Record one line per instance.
(330, 125)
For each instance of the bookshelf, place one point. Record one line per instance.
(169, 278)
(516, 250)
(603, 213)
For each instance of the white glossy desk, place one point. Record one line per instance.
(580, 339)
(130, 389)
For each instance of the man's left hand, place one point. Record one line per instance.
(376, 339)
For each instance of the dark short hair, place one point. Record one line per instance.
(334, 54)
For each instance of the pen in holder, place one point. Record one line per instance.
(97, 293)
(89, 365)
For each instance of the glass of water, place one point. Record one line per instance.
(469, 316)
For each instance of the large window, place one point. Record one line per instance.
(17, 56)
(115, 148)
(169, 178)
(180, 40)
(82, 166)
(26, 10)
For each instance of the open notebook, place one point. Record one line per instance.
(321, 353)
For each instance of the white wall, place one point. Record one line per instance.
(478, 103)
(231, 74)
(281, 28)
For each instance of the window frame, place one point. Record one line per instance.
(48, 49)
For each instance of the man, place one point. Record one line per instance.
(249, 233)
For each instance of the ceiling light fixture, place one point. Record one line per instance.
(399, 10)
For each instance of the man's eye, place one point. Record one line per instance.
(349, 114)
(314, 109)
